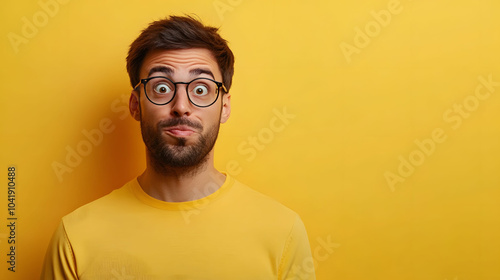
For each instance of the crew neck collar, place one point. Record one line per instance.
(151, 201)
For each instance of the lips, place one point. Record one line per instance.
(179, 131)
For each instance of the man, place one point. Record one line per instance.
(181, 218)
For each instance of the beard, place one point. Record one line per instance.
(166, 157)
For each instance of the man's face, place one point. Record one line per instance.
(179, 134)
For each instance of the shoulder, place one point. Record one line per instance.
(100, 208)
(249, 198)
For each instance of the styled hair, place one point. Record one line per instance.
(180, 32)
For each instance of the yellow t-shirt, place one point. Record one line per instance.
(233, 233)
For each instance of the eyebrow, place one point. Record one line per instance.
(199, 71)
(168, 71)
(163, 69)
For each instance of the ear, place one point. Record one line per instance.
(226, 108)
(133, 105)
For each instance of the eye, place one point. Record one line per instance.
(200, 90)
(162, 88)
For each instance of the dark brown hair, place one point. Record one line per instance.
(180, 32)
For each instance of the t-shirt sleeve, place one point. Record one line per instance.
(297, 262)
(59, 259)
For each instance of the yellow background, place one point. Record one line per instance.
(355, 116)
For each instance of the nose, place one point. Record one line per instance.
(181, 105)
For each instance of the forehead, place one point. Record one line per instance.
(181, 60)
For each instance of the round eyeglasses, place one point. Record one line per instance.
(202, 92)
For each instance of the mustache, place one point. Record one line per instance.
(179, 121)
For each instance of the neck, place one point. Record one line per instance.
(181, 184)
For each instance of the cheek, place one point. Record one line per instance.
(214, 115)
(151, 112)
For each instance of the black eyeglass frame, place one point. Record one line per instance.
(145, 81)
